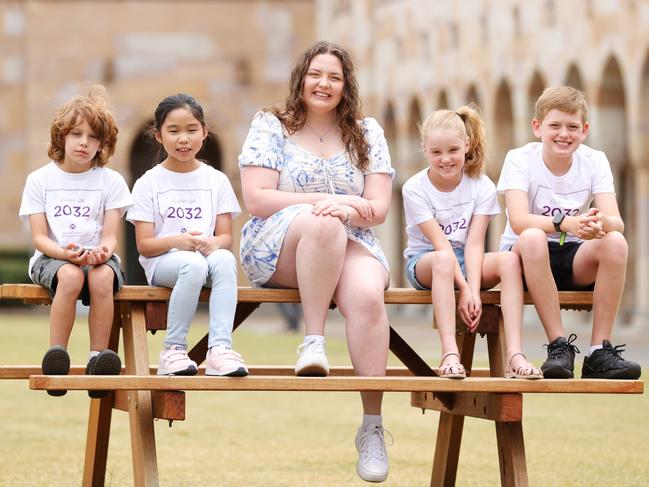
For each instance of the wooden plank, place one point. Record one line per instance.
(342, 383)
(35, 293)
(511, 454)
(496, 407)
(143, 447)
(25, 371)
(408, 356)
(169, 405)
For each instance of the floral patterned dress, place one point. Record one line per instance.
(302, 172)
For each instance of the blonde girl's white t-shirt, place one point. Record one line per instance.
(73, 203)
(547, 194)
(178, 202)
(451, 210)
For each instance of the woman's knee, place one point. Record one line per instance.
(367, 306)
(326, 229)
(69, 279)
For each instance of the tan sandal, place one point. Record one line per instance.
(525, 371)
(453, 370)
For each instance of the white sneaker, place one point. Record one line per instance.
(312, 360)
(175, 361)
(372, 465)
(225, 361)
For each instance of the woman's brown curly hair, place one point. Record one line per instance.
(93, 108)
(348, 111)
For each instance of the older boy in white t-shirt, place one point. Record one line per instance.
(564, 243)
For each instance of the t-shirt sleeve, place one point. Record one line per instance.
(226, 199)
(118, 194)
(264, 145)
(142, 209)
(379, 154)
(487, 198)
(416, 206)
(33, 200)
(602, 177)
(514, 174)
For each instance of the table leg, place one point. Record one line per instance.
(101, 410)
(140, 408)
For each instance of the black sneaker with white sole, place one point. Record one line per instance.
(560, 363)
(607, 363)
(56, 361)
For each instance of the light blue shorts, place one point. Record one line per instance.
(412, 263)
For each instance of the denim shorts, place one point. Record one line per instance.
(45, 268)
(412, 263)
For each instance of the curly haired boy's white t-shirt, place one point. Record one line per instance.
(178, 202)
(547, 194)
(452, 210)
(73, 203)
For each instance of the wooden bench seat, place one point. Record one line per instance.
(411, 383)
(485, 394)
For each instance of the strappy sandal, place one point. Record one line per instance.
(453, 370)
(525, 371)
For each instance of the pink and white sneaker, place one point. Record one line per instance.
(175, 361)
(225, 361)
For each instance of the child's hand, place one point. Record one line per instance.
(470, 308)
(76, 254)
(207, 246)
(591, 225)
(188, 241)
(98, 255)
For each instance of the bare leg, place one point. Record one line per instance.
(436, 270)
(359, 297)
(69, 283)
(532, 246)
(100, 317)
(311, 259)
(505, 267)
(602, 261)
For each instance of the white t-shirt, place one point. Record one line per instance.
(452, 210)
(178, 202)
(73, 203)
(547, 194)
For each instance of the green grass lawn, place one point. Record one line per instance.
(301, 439)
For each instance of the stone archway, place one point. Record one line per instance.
(612, 136)
(573, 78)
(472, 97)
(503, 141)
(145, 153)
(641, 178)
(536, 87)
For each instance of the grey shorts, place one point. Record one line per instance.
(45, 268)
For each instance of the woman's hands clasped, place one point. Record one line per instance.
(341, 205)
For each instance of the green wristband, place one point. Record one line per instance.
(562, 238)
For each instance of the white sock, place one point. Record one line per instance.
(372, 419)
(595, 347)
(316, 338)
(93, 353)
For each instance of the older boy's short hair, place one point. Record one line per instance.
(92, 108)
(564, 98)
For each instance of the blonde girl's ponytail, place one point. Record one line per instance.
(476, 157)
